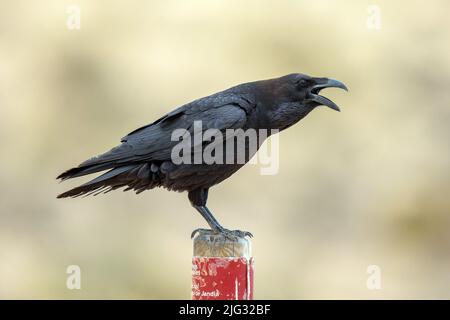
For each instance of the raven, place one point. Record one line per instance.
(144, 159)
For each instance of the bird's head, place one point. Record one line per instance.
(292, 97)
(306, 89)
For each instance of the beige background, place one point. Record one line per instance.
(367, 186)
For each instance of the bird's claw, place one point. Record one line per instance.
(200, 230)
(232, 235)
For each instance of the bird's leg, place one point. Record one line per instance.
(213, 223)
(216, 228)
(198, 199)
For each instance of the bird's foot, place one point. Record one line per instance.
(232, 235)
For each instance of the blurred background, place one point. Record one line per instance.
(367, 186)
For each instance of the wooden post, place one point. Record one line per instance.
(222, 269)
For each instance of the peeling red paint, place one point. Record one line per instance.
(217, 278)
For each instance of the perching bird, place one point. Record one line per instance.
(144, 160)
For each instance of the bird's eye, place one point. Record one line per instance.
(301, 82)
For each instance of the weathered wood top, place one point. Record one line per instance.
(207, 244)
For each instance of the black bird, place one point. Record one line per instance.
(144, 158)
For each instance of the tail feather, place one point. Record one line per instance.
(113, 179)
(84, 170)
(136, 176)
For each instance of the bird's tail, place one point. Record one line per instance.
(110, 180)
(135, 176)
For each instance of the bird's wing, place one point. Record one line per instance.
(196, 108)
(154, 141)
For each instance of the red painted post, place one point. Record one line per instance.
(222, 269)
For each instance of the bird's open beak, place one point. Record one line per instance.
(321, 84)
